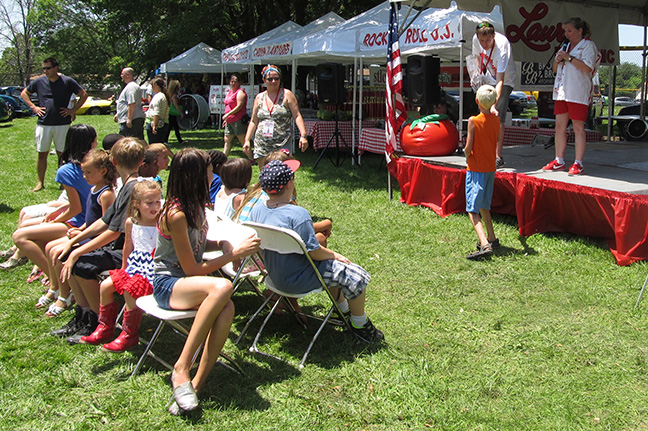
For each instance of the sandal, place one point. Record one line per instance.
(35, 275)
(45, 300)
(7, 253)
(55, 310)
(13, 262)
(482, 251)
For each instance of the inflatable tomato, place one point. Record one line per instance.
(434, 135)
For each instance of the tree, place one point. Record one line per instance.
(17, 31)
(94, 39)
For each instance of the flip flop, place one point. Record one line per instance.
(35, 275)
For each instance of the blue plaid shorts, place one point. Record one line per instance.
(351, 278)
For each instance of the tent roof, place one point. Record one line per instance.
(630, 11)
(340, 40)
(202, 58)
(241, 53)
(266, 53)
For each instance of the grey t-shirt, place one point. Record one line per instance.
(130, 94)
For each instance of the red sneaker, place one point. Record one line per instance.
(576, 169)
(553, 166)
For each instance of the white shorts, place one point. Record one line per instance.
(38, 210)
(46, 134)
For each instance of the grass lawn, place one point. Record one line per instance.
(541, 337)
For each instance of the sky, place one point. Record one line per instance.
(630, 35)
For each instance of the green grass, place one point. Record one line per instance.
(541, 337)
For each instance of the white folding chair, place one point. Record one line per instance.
(286, 241)
(173, 318)
(250, 268)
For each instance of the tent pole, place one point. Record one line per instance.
(361, 102)
(294, 90)
(461, 92)
(221, 111)
(643, 72)
(354, 109)
(610, 78)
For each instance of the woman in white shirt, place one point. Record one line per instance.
(157, 116)
(574, 66)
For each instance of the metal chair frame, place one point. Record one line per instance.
(286, 241)
(148, 304)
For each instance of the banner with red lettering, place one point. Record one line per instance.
(534, 28)
(424, 35)
(272, 50)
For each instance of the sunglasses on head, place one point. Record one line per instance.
(484, 25)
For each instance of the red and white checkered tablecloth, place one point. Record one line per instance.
(373, 141)
(321, 131)
(524, 135)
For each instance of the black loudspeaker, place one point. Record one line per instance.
(423, 79)
(330, 83)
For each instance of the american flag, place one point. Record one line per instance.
(396, 114)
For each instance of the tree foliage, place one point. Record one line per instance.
(18, 27)
(94, 39)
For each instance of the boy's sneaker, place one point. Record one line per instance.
(499, 163)
(89, 324)
(576, 169)
(72, 326)
(368, 333)
(553, 166)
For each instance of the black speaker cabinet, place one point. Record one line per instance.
(423, 79)
(330, 83)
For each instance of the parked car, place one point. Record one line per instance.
(624, 101)
(14, 90)
(5, 111)
(18, 107)
(518, 102)
(96, 106)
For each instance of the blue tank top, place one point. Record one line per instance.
(93, 206)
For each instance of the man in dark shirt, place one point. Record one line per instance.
(54, 117)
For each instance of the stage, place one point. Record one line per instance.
(610, 200)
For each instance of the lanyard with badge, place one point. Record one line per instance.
(268, 126)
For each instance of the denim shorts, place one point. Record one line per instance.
(162, 288)
(479, 190)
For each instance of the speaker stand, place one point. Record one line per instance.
(337, 136)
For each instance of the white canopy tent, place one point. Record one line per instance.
(242, 53)
(202, 58)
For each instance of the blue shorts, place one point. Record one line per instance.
(479, 191)
(162, 288)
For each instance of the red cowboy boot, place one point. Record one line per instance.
(129, 336)
(106, 329)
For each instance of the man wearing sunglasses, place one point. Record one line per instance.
(54, 92)
(497, 68)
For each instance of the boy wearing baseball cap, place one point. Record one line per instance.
(292, 271)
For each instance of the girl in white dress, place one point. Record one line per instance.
(135, 277)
